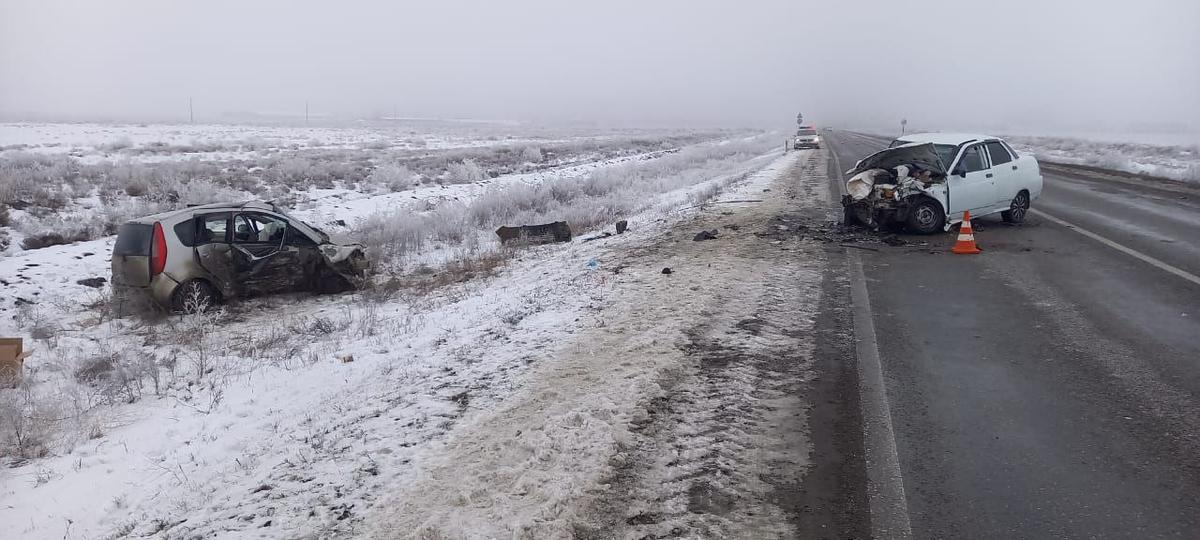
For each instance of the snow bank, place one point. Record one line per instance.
(1173, 162)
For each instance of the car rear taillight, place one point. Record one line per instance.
(158, 251)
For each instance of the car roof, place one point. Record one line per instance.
(166, 216)
(945, 138)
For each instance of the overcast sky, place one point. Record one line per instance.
(1035, 65)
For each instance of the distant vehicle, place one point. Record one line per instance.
(925, 181)
(190, 258)
(806, 137)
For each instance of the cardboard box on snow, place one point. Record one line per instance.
(12, 361)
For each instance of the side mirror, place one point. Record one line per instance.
(960, 171)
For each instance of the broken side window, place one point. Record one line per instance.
(297, 238)
(258, 229)
(212, 229)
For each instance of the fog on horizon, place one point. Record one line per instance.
(1017, 66)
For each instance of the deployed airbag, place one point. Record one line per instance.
(860, 185)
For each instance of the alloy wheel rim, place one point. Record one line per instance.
(925, 216)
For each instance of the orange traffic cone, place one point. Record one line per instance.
(966, 238)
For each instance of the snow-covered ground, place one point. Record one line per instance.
(59, 137)
(665, 408)
(1176, 162)
(289, 416)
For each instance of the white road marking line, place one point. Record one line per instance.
(1127, 250)
(885, 484)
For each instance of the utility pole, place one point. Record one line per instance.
(191, 112)
(306, 112)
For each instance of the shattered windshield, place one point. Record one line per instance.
(301, 224)
(946, 153)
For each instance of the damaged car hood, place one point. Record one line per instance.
(922, 155)
(339, 248)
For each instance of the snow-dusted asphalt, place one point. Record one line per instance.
(1047, 388)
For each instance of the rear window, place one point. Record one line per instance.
(134, 239)
(804, 132)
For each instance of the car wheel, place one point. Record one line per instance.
(1016, 211)
(925, 217)
(194, 296)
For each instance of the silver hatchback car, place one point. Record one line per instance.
(193, 257)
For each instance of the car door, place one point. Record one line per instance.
(971, 182)
(1004, 173)
(262, 261)
(214, 253)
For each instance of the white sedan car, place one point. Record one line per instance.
(925, 181)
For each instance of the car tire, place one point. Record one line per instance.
(925, 217)
(193, 296)
(1017, 209)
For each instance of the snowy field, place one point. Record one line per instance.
(1175, 162)
(288, 416)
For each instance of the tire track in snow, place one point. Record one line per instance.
(720, 344)
(723, 451)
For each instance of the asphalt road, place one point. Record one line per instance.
(1049, 387)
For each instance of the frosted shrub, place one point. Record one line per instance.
(28, 179)
(605, 195)
(201, 191)
(54, 230)
(115, 145)
(449, 223)
(465, 172)
(394, 176)
(28, 420)
(532, 154)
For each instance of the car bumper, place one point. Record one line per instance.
(799, 146)
(160, 290)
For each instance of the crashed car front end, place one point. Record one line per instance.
(345, 263)
(884, 187)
